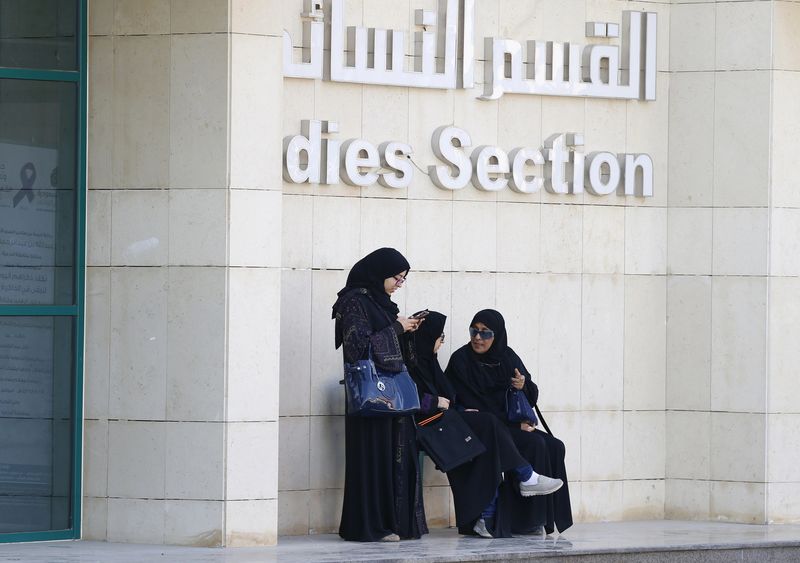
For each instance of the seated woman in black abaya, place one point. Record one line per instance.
(483, 503)
(481, 373)
(382, 486)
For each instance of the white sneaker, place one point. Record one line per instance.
(480, 529)
(544, 486)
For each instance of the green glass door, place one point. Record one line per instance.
(42, 226)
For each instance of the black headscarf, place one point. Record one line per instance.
(369, 273)
(423, 364)
(481, 380)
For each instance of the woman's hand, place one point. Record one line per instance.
(518, 381)
(409, 325)
(527, 426)
(444, 403)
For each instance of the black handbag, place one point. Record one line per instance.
(374, 392)
(518, 409)
(448, 440)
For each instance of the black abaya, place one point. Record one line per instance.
(480, 381)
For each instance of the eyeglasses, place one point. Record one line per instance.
(399, 280)
(484, 334)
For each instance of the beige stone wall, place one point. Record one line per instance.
(581, 280)
(183, 284)
(732, 297)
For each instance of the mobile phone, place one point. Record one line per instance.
(420, 314)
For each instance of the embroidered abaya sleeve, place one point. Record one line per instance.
(358, 335)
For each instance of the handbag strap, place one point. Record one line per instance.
(541, 419)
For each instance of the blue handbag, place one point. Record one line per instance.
(518, 409)
(374, 392)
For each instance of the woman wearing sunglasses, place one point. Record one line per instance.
(382, 488)
(482, 373)
(476, 485)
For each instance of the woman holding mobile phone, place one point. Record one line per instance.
(382, 488)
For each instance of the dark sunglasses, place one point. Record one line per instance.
(484, 334)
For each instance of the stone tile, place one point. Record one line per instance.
(97, 342)
(325, 510)
(98, 236)
(738, 502)
(784, 242)
(196, 352)
(783, 447)
(645, 240)
(741, 135)
(198, 227)
(251, 523)
(602, 448)
(785, 130)
(740, 241)
(785, 23)
(518, 298)
(258, 16)
(374, 231)
(135, 242)
(689, 240)
(517, 237)
(141, 116)
(293, 513)
(194, 522)
(561, 236)
(255, 228)
(94, 522)
(99, 172)
(560, 342)
(385, 117)
(739, 340)
(431, 109)
(95, 458)
(296, 223)
(644, 445)
(687, 500)
(692, 37)
(199, 123)
(101, 17)
(432, 290)
(645, 337)
(437, 506)
(566, 426)
(195, 465)
(691, 157)
(251, 463)
(784, 354)
(781, 504)
(519, 119)
(295, 353)
(737, 446)
(471, 292)
(254, 308)
(326, 396)
(603, 240)
(689, 343)
(688, 445)
(474, 236)
(341, 216)
(136, 462)
(432, 477)
(602, 337)
(136, 520)
(606, 125)
(430, 235)
(141, 17)
(327, 451)
(256, 101)
(138, 351)
(600, 501)
(741, 28)
(191, 16)
(643, 500)
(294, 453)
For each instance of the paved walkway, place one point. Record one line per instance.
(654, 541)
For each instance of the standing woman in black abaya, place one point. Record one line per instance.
(382, 486)
(482, 372)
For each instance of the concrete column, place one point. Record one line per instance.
(183, 283)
